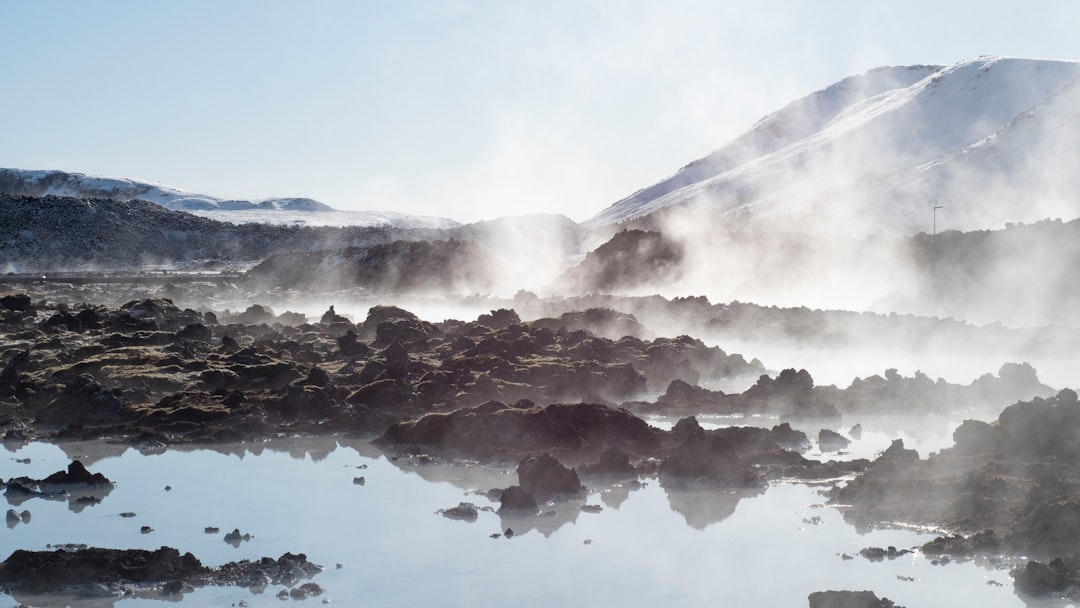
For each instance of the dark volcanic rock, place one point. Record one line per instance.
(831, 441)
(52, 571)
(848, 599)
(494, 429)
(75, 476)
(64, 571)
(613, 467)
(1019, 476)
(465, 511)
(1060, 577)
(546, 478)
(703, 460)
(516, 500)
(18, 302)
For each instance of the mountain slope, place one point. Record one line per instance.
(856, 148)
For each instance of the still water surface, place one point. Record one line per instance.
(644, 548)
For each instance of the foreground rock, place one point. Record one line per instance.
(149, 367)
(1060, 578)
(1008, 486)
(140, 572)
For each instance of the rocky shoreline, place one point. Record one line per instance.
(558, 398)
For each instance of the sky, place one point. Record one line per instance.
(463, 109)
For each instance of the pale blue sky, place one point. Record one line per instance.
(465, 109)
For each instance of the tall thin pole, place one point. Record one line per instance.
(936, 207)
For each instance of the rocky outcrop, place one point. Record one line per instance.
(165, 570)
(630, 259)
(705, 461)
(1016, 477)
(495, 431)
(547, 479)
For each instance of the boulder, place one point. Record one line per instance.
(705, 461)
(831, 441)
(612, 467)
(547, 479)
(516, 500)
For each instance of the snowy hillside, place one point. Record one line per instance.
(880, 150)
(282, 211)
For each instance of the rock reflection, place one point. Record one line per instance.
(467, 476)
(551, 517)
(702, 508)
(108, 599)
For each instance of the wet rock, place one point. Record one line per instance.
(76, 477)
(494, 429)
(306, 590)
(547, 479)
(612, 467)
(465, 511)
(877, 554)
(831, 441)
(234, 538)
(986, 542)
(80, 570)
(703, 461)
(516, 500)
(1017, 475)
(848, 599)
(53, 571)
(1060, 576)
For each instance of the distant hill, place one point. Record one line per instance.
(292, 211)
(62, 233)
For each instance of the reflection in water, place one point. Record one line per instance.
(646, 547)
(702, 508)
(552, 516)
(615, 495)
(77, 499)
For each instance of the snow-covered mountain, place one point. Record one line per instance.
(992, 140)
(282, 211)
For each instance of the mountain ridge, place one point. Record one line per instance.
(863, 154)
